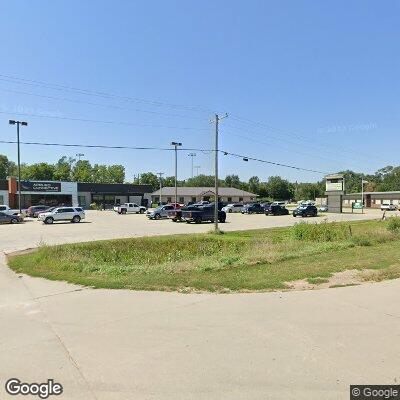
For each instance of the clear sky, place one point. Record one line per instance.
(319, 81)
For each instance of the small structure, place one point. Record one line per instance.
(335, 190)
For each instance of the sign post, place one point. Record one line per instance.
(335, 189)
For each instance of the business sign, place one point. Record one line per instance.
(334, 186)
(28, 186)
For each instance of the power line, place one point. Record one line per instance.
(54, 86)
(100, 104)
(226, 153)
(99, 121)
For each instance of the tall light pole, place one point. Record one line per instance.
(362, 193)
(216, 120)
(79, 155)
(18, 123)
(192, 155)
(197, 167)
(176, 145)
(160, 174)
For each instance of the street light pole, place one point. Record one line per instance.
(192, 155)
(18, 123)
(160, 174)
(79, 155)
(197, 167)
(176, 145)
(362, 193)
(216, 150)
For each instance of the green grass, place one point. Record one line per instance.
(235, 261)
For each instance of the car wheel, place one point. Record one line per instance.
(76, 219)
(157, 216)
(123, 212)
(141, 211)
(197, 220)
(14, 221)
(222, 220)
(230, 210)
(49, 220)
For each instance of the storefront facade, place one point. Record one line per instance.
(58, 193)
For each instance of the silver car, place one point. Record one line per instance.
(72, 214)
(233, 208)
(160, 212)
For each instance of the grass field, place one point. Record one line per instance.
(235, 261)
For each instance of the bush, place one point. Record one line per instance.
(94, 206)
(324, 232)
(394, 224)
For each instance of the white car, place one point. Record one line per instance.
(388, 207)
(128, 208)
(230, 208)
(9, 211)
(72, 214)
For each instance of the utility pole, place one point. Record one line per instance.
(192, 155)
(18, 123)
(79, 155)
(216, 120)
(160, 174)
(176, 145)
(197, 167)
(362, 193)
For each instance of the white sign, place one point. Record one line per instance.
(334, 186)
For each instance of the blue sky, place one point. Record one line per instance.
(319, 82)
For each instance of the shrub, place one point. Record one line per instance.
(324, 232)
(394, 224)
(94, 206)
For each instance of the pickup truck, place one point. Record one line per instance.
(9, 211)
(202, 213)
(176, 215)
(128, 208)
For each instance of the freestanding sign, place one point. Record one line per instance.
(335, 189)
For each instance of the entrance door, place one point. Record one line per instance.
(368, 201)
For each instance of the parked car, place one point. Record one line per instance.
(233, 208)
(160, 212)
(253, 208)
(10, 219)
(279, 203)
(129, 208)
(72, 214)
(276, 209)
(388, 207)
(305, 211)
(10, 211)
(33, 211)
(323, 208)
(203, 213)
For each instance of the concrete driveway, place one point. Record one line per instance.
(118, 344)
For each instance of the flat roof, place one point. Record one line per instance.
(200, 191)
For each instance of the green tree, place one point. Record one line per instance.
(148, 178)
(63, 169)
(39, 171)
(7, 167)
(116, 173)
(280, 189)
(82, 171)
(254, 185)
(233, 181)
(201, 181)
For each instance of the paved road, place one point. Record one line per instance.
(105, 344)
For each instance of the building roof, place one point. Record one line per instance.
(200, 191)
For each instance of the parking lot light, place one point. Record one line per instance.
(18, 123)
(176, 145)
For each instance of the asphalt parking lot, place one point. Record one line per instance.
(110, 225)
(120, 344)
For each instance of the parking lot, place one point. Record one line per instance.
(110, 225)
(121, 344)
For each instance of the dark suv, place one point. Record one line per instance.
(305, 211)
(253, 208)
(276, 209)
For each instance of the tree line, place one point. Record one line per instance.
(277, 188)
(65, 169)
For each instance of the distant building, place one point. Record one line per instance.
(372, 199)
(195, 194)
